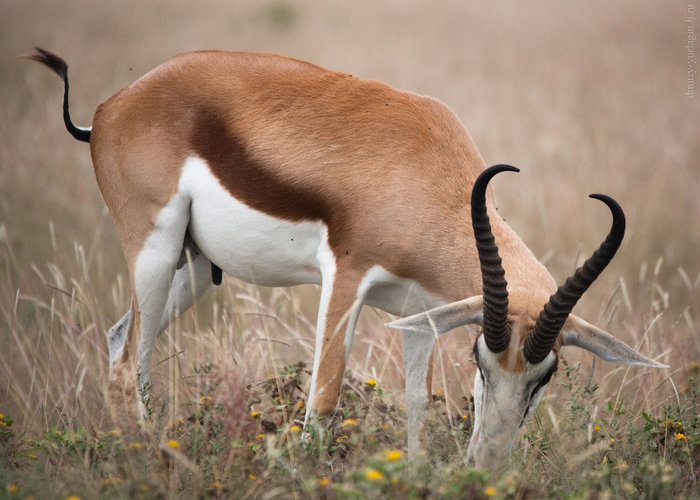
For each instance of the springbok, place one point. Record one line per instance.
(280, 172)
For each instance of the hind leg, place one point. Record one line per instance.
(189, 284)
(152, 267)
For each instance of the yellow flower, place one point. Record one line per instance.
(596, 428)
(300, 404)
(612, 440)
(374, 475)
(73, 498)
(252, 477)
(295, 428)
(350, 422)
(2, 416)
(342, 438)
(261, 436)
(490, 491)
(114, 432)
(173, 444)
(324, 481)
(680, 437)
(254, 414)
(135, 445)
(12, 487)
(371, 382)
(218, 485)
(392, 455)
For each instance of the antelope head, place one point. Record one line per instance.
(517, 351)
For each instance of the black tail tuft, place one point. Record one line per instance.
(54, 62)
(60, 67)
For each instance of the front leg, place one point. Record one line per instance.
(341, 302)
(417, 352)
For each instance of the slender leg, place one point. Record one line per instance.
(152, 269)
(417, 351)
(338, 311)
(189, 284)
(116, 337)
(180, 298)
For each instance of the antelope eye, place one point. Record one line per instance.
(544, 380)
(548, 376)
(475, 355)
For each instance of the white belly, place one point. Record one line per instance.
(246, 243)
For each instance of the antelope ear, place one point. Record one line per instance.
(444, 318)
(582, 334)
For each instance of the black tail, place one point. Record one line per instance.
(60, 67)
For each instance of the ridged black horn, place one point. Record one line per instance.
(555, 312)
(495, 324)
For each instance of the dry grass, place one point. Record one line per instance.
(582, 98)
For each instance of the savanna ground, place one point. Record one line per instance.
(585, 97)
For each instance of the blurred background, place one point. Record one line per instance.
(583, 97)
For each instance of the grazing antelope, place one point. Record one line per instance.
(280, 172)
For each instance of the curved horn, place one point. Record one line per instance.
(496, 329)
(555, 312)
